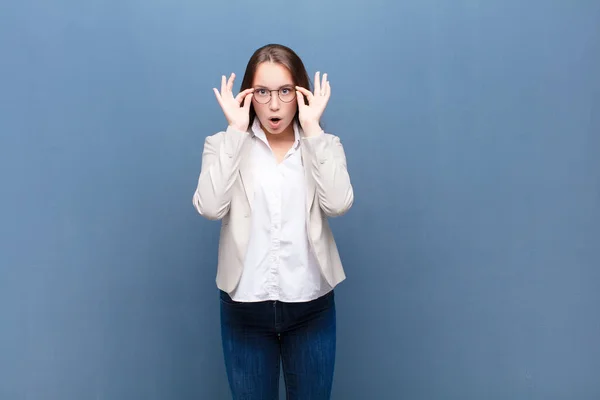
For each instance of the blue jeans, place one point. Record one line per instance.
(256, 337)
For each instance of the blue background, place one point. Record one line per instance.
(472, 251)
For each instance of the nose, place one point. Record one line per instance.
(274, 103)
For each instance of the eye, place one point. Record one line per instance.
(260, 92)
(285, 90)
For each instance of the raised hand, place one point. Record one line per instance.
(237, 116)
(310, 114)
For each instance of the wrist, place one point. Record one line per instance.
(312, 128)
(238, 127)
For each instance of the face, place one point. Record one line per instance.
(277, 113)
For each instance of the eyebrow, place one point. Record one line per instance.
(280, 87)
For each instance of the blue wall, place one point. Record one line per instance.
(473, 249)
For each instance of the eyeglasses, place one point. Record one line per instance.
(285, 94)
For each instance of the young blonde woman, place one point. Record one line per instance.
(273, 178)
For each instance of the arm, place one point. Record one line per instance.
(220, 166)
(327, 165)
(326, 158)
(221, 154)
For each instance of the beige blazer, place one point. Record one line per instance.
(225, 192)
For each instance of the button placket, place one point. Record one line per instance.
(275, 200)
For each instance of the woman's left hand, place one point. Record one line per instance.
(310, 114)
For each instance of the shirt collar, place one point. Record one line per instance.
(258, 132)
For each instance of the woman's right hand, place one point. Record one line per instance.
(238, 116)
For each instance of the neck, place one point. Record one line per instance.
(286, 136)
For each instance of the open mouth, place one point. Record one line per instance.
(275, 122)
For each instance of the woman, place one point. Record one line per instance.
(273, 177)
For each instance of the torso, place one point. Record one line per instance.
(279, 263)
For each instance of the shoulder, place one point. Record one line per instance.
(331, 137)
(230, 133)
(323, 137)
(323, 141)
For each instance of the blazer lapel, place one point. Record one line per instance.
(310, 182)
(246, 171)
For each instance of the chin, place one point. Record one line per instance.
(283, 126)
(276, 131)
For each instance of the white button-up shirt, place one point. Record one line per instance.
(279, 263)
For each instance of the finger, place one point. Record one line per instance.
(324, 84)
(243, 95)
(306, 92)
(218, 96)
(223, 83)
(317, 83)
(328, 90)
(230, 82)
(300, 98)
(248, 101)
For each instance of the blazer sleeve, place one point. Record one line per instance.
(220, 166)
(327, 165)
